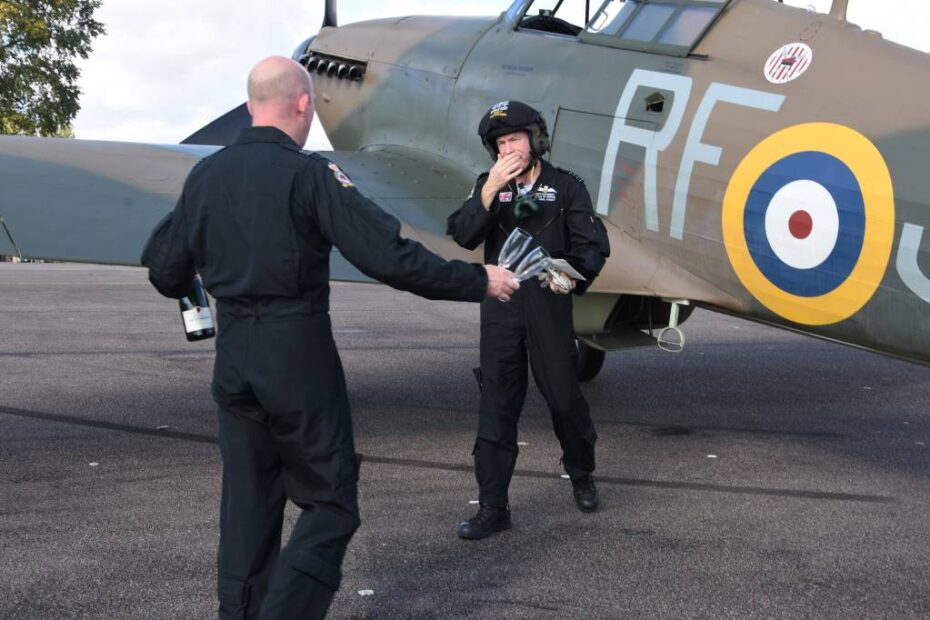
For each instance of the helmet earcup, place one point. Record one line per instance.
(491, 146)
(539, 139)
(541, 142)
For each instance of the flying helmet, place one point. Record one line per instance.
(510, 116)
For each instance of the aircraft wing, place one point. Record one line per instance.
(87, 201)
(418, 188)
(97, 202)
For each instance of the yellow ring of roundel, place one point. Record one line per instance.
(870, 170)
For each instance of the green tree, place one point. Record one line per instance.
(39, 42)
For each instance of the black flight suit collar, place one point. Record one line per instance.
(264, 134)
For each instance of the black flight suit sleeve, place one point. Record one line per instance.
(168, 256)
(370, 239)
(588, 244)
(469, 226)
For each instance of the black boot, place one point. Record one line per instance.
(488, 520)
(585, 493)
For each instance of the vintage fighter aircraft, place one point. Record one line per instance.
(747, 157)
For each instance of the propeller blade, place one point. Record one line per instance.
(838, 9)
(224, 130)
(329, 17)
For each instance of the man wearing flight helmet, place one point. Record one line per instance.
(553, 205)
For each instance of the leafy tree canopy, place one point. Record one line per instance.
(39, 42)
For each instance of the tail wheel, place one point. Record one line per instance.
(590, 361)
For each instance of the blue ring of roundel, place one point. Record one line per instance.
(836, 178)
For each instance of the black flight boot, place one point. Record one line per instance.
(585, 493)
(488, 520)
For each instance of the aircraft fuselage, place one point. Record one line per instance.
(776, 172)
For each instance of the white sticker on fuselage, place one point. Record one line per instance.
(789, 62)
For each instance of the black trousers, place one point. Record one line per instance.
(285, 433)
(535, 325)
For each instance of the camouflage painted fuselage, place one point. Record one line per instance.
(800, 202)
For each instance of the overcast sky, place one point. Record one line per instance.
(165, 68)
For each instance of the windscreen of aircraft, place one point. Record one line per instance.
(557, 16)
(677, 24)
(900, 21)
(672, 27)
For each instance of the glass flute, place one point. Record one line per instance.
(513, 249)
(532, 264)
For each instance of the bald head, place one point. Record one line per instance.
(277, 80)
(281, 95)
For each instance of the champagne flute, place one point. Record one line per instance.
(532, 264)
(513, 248)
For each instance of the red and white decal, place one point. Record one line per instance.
(788, 63)
(802, 224)
(505, 197)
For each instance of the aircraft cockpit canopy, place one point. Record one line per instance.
(671, 27)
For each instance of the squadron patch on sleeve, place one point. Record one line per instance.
(341, 176)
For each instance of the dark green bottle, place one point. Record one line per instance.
(195, 313)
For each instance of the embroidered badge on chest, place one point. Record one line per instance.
(546, 194)
(505, 197)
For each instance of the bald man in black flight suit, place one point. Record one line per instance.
(258, 220)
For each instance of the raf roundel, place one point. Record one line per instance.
(808, 222)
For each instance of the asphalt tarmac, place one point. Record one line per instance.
(757, 474)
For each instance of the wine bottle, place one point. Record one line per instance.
(195, 313)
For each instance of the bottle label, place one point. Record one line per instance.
(197, 319)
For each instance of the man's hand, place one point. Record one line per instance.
(501, 283)
(505, 169)
(559, 283)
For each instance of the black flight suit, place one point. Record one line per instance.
(258, 220)
(536, 321)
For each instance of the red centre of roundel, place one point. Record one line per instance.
(800, 224)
